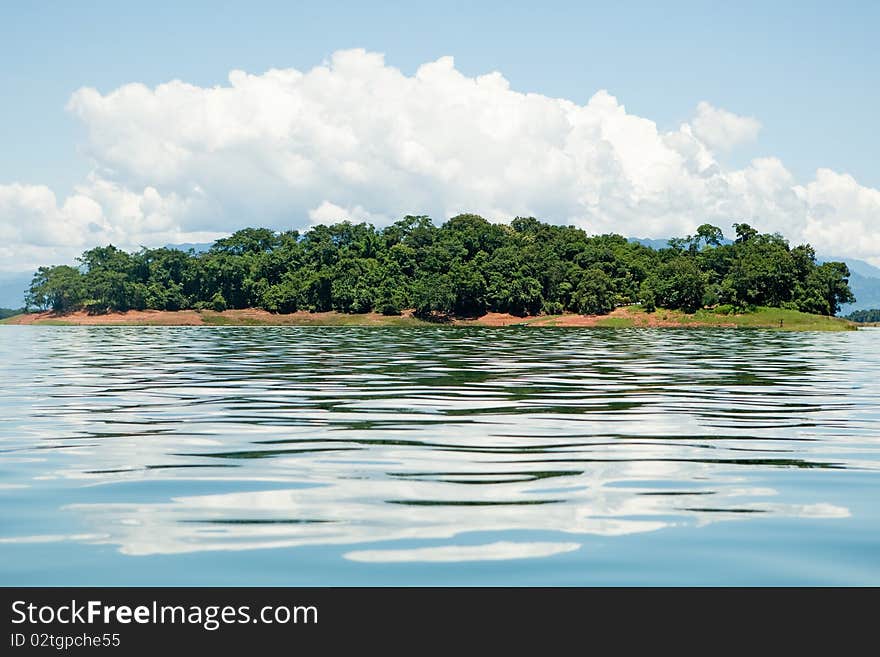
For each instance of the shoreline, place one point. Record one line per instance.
(623, 317)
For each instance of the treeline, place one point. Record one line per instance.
(465, 267)
(8, 312)
(863, 316)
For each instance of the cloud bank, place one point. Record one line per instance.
(356, 138)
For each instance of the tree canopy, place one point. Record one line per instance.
(465, 267)
(862, 316)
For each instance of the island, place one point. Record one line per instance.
(466, 272)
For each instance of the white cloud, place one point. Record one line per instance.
(723, 130)
(358, 138)
(844, 216)
(36, 230)
(328, 213)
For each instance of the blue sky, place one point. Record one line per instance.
(809, 71)
(806, 71)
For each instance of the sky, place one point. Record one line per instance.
(144, 124)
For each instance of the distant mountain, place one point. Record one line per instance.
(859, 267)
(652, 243)
(864, 281)
(867, 291)
(12, 288)
(198, 247)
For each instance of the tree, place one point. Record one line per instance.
(744, 233)
(60, 288)
(354, 282)
(218, 303)
(526, 225)
(594, 294)
(432, 293)
(465, 267)
(861, 316)
(710, 235)
(474, 233)
(826, 287)
(286, 296)
(469, 287)
(678, 284)
(8, 312)
(111, 281)
(392, 297)
(762, 272)
(247, 240)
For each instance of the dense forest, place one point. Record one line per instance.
(863, 316)
(465, 267)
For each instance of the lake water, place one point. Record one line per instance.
(438, 456)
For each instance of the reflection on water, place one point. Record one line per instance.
(401, 445)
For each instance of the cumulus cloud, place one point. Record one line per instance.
(723, 130)
(35, 229)
(328, 213)
(357, 138)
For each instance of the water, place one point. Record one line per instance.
(439, 456)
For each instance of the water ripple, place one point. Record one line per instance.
(182, 440)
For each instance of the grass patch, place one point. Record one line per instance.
(54, 322)
(616, 322)
(780, 319)
(788, 320)
(218, 319)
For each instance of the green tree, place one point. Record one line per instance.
(677, 284)
(763, 271)
(826, 287)
(468, 285)
(594, 294)
(861, 316)
(247, 240)
(354, 283)
(218, 303)
(710, 235)
(432, 293)
(111, 281)
(466, 266)
(61, 288)
(744, 233)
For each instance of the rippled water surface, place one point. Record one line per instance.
(328, 456)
